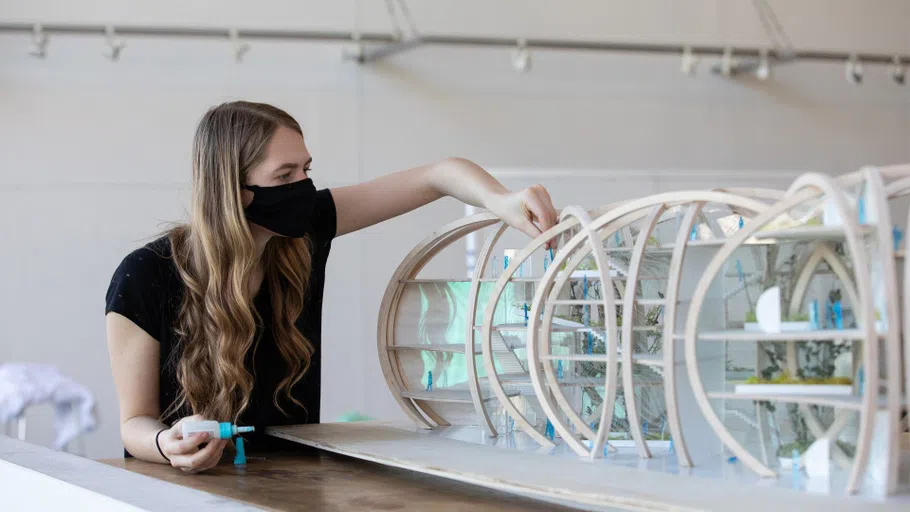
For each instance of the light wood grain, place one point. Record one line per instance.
(319, 480)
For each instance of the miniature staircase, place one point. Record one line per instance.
(505, 355)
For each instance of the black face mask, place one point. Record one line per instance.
(285, 209)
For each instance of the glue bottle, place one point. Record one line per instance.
(214, 429)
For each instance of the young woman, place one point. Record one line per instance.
(221, 317)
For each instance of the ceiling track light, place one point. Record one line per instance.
(853, 70)
(898, 71)
(689, 63)
(114, 43)
(763, 71)
(39, 40)
(240, 47)
(726, 62)
(521, 57)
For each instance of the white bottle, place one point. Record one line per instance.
(214, 429)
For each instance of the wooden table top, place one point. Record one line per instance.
(317, 480)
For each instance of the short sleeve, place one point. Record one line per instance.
(137, 291)
(324, 217)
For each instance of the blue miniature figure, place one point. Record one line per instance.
(559, 369)
(429, 381)
(551, 432)
(898, 235)
(741, 222)
(813, 315)
(838, 315)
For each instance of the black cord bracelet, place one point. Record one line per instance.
(159, 446)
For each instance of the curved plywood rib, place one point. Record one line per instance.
(471, 317)
(546, 386)
(629, 311)
(419, 410)
(487, 334)
(603, 266)
(886, 272)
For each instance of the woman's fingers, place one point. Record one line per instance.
(215, 457)
(540, 213)
(202, 459)
(189, 445)
(547, 201)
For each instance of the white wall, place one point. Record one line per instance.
(95, 155)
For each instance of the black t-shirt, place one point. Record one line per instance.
(146, 288)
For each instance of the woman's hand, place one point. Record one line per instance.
(186, 454)
(530, 210)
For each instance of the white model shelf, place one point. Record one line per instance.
(525, 378)
(643, 359)
(433, 281)
(794, 389)
(457, 348)
(455, 396)
(811, 233)
(820, 335)
(837, 401)
(600, 302)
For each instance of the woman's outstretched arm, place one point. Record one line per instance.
(358, 206)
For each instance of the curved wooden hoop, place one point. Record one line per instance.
(470, 354)
(578, 254)
(769, 194)
(552, 391)
(906, 321)
(628, 313)
(804, 188)
(417, 410)
(603, 267)
(487, 339)
(879, 203)
(897, 188)
(672, 297)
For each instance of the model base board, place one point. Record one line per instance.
(558, 476)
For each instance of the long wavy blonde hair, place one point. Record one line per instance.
(215, 255)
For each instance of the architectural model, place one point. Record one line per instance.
(762, 325)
